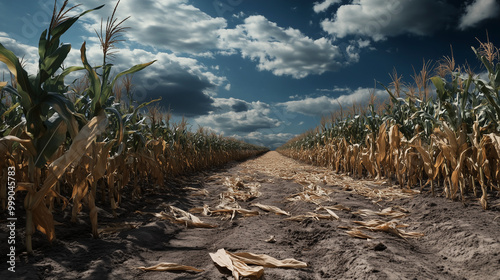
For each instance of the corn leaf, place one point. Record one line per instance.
(164, 266)
(270, 208)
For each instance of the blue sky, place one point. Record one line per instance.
(265, 70)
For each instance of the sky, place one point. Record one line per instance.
(264, 71)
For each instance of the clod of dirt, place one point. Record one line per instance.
(379, 247)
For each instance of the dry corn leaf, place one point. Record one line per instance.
(370, 223)
(268, 261)
(238, 268)
(329, 212)
(315, 216)
(170, 267)
(237, 263)
(233, 211)
(390, 227)
(205, 210)
(271, 208)
(271, 239)
(237, 189)
(182, 217)
(338, 207)
(358, 234)
(311, 193)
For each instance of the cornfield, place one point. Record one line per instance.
(449, 140)
(71, 143)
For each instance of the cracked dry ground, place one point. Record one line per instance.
(425, 237)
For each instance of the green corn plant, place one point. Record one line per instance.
(49, 115)
(489, 55)
(101, 97)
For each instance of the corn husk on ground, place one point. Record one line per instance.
(448, 141)
(88, 146)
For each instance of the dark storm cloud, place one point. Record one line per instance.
(380, 19)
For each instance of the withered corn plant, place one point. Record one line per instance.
(450, 140)
(80, 141)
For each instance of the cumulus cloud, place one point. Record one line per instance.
(26, 52)
(168, 25)
(478, 11)
(324, 105)
(323, 6)
(235, 115)
(380, 19)
(271, 140)
(185, 85)
(178, 26)
(334, 89)
(281, 51)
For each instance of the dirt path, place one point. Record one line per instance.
(458, 242)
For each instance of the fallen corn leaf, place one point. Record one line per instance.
(182, 217)
(358, 234)
(233, 211)
(271, 239)
(268, 261)
(390, 227)
(238, 268)
(170, 267)
(310, 215)
(385, 212)
(270, 208)
(237, 263)
(329, 212)
(205, 210)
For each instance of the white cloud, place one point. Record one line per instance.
(380, 19)
(324, 105)
(478, 11)
(234, 115)
(28, 54)
(271, 140)
(323, 6)
(334, 89)
(281, 51)
(241, 14)
(176, 25)
(168, 24)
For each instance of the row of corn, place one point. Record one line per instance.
(441, 131)
(83, 143)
